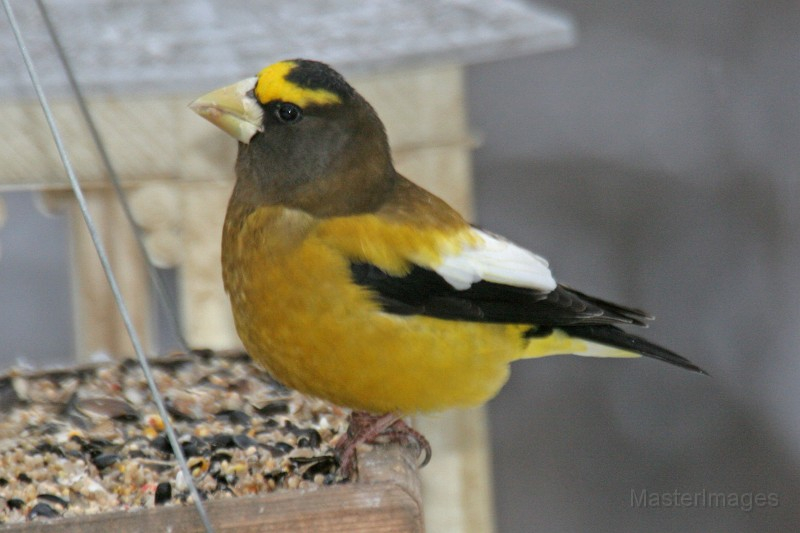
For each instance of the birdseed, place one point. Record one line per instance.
(89, 440)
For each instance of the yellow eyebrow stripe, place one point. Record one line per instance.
(273, 85)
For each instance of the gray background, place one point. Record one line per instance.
(656, 163)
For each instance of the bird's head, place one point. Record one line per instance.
(307, 139)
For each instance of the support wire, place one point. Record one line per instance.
(112, 281)
(155, 277)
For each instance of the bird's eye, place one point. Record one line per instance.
(288, 113)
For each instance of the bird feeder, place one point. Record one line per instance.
(140, 64)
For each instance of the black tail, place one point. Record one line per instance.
(618, 338)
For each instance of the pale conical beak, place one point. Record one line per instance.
(233, 109)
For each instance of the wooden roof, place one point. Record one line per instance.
(153, 46)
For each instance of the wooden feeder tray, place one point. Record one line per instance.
(83, 449)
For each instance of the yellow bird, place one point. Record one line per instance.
(350, 283)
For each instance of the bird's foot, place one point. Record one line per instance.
(368, 428)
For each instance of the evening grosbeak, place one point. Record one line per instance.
(350, 283)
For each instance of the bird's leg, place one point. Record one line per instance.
(363, 427)
(368, 428)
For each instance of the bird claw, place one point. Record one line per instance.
(369, 429)
(408, 436)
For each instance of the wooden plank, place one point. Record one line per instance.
(158, 139)
(139, 135)
(385, 499)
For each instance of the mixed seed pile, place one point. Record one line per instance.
(89, 440)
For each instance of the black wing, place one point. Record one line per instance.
(424, 292)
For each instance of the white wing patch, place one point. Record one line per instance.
(496, 260)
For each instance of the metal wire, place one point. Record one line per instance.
(112, 281)
(155, 277)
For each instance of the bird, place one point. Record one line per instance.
(351, 283)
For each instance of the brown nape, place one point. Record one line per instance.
(410, 203)
(334, 162)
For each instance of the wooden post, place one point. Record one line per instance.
(98, 323)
